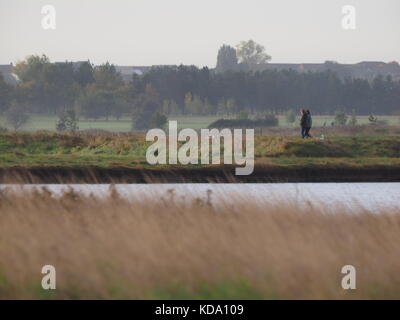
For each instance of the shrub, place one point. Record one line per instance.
(16, 116)
(340, 118)
(268, 121)
(353, 119)
(67, 121)
(290, 116)
(372, 119)
(242, 115)
(158, 120)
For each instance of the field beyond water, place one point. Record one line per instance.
(124, 124)
(120, 157)
(109, 247)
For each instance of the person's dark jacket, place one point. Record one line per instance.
(303, 121)
(308, 121)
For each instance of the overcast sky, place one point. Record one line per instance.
(148, 32)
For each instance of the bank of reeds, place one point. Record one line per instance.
(161, 248)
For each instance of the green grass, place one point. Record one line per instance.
(38, 122)
(128, 150)
(319, 121)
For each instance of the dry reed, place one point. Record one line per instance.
(114, 248)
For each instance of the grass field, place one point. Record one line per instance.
(124, 124)
(160, 249)
(129, 150)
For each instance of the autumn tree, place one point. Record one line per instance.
(251, 55)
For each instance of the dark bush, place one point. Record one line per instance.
(268, 121)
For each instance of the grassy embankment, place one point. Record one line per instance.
(129, 150)
(161, 249)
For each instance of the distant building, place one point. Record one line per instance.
(128, 71)
(7, 70)
(365, 70)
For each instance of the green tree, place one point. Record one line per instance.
(107, 78)
(372, 119)
(158, 120)
(16, 115)
(95, 104)
(226, 59)
(31, 68)
(84, 75)
(221, 108)
(146, 106)
(6, 92)
(353, 118)
(243, 115)
(67, 121)
(231, 107)
(188, 101)
(252, 55)
(197, 105)
(209, 108)
(46, 87)
(170, 107)
(340, 118)
(290, 116)
(193, 104)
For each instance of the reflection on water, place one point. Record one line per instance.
(371, 196)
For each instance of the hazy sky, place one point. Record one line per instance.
(147, 32)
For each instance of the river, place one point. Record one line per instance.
(371, 196)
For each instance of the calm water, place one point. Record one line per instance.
(371, 196)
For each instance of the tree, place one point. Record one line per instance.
(30, 68)
(107, 77)
(67, 121)
(231, 106)
(170, 107)
(252, 55)
(46, 87)
(84, 75)
(208, 107)
(16, 115)
(226, 59)
(158, 120)
(221, 107)
(146, 106)
(353, 119)
(243, 115)
(94, 104)
(6, 92)
(193, 104)
(340, 118)
(372, 119)
(290, 116)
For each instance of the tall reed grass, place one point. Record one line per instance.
(162, 248)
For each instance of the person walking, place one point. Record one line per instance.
(308, 124)
(303, 122)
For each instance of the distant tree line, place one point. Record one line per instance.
(100, 92)
(200, 91)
